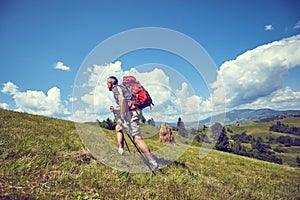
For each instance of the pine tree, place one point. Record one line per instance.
(219, 134)
(181, 128)
(298, 161)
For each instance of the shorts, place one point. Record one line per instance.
(118, 128)
(136, 116)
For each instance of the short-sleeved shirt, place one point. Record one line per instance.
(134, 116)
(121, 90)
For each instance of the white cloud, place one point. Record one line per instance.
(259, 72)
(269, 27)
(86, 115)
(61, 66)
(37, 102)
(189, 103)
(297, 25)
(282, 99)
(95, 99)
(253, 80)
(72, 99)
(98, 98)
(4, 105)
(9, 88)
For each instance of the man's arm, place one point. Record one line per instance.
(122, 104)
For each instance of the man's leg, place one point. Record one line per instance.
(143, 147)
(141, 143)
(136, 115)
(120, 138)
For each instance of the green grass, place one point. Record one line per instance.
(262, 130)
(291, 121)
(290, 155)
(44, 158)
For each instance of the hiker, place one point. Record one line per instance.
(122, 96)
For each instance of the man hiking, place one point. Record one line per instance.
(122, 96)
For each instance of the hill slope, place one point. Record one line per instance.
(44, 158)
(269, 138)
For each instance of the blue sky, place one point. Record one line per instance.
(44, 44)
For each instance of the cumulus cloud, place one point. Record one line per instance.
(72, 99)
(269, 27)
(37, 102)
(297, 25)
(4, 105)
(98, 98)
(61, 66)
(189, 103)
(283, 99)
(169, 102)
(85, 115)
(252, 80)
(259, 72)
(9, 88)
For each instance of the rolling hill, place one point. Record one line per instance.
(44, 158)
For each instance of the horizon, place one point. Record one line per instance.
(167, 122)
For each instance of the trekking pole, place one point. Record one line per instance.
(145, 160)
(138, 149)
(126, 144)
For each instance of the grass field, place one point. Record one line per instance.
(44, 158)
(257, 129)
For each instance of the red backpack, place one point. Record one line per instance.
(141, 97)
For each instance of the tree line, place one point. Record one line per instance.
(111, 124)
(282, 128)
(257, 147)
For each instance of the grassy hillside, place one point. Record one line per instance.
(261, 129)
(43, 158)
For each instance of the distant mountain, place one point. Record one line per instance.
(240, 115)
(243, 115)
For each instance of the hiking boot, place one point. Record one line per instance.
(154, 164)
(121, 151)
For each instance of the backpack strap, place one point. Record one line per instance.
(119, 90)
(126, 92)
